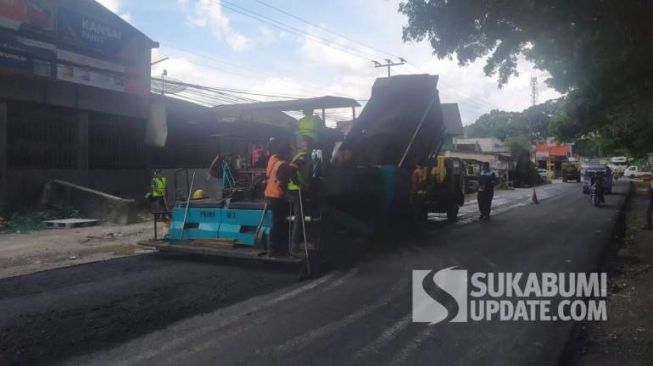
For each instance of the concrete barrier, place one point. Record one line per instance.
(91, 203)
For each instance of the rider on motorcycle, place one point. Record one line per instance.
(597, 181)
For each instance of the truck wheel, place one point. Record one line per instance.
(452, 213)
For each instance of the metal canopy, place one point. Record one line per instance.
(326, 102)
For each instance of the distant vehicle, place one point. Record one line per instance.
(570, 171)
(618, 164)
(543, 174)
(634, 172)
(586, 177)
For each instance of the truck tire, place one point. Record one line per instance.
(452, 213)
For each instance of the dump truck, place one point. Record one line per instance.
(571, 171)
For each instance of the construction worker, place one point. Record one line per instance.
(418, 182)
(649, 209)
(486, 183)
(308, 126)
(275, 191)
(159, 189)
(301, 172)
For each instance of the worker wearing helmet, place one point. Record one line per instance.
(159, 189)
(308, 125)
(277, 173)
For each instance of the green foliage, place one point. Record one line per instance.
(30, 220)
(598, 52)
(532, 122)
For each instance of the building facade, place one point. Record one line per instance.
(74, 99)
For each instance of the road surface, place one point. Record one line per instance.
(130, 313)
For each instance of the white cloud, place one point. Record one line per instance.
(208, 14)
(127, 17)
(477, 94)
(268, 36)
(336, 57)
(318, 69)
(115, 7)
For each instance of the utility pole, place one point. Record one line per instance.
(163, 81)
(389, 63)
(534, 90)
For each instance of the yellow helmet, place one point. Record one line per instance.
(199, 194)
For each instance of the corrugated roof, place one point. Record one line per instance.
(290, 105)
(453, 124)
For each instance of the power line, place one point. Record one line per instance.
(231, 91)
(231, 64)
(250, 76)
(288, 28)
(356, 53)
(325, 29)
(227, 4)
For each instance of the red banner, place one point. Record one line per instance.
(35, 13)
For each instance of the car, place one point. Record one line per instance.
(634, 172)
(543, 173)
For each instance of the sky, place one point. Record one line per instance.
(307, 48)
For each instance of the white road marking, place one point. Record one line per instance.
(351, 273)
(307, 338)
(385, 338)
(247, 307)
(409, 350)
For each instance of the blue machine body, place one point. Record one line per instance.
(235, 222)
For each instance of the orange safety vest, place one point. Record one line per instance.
(273, 187)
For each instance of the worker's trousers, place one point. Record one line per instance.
(278, 238)
(159, 208)
(296, 231)
(484, 199)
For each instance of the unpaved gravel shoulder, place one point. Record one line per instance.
(24, 253)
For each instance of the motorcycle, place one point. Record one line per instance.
(595, 198)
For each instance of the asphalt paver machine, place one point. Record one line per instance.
(363, 187)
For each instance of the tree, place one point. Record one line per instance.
(598, 52)
(532, 123)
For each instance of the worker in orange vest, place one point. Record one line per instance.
(275, 191)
